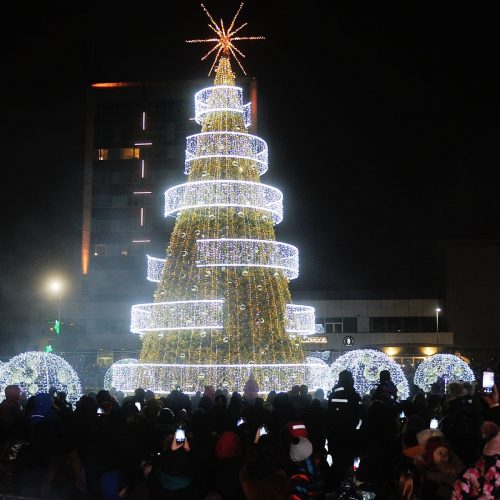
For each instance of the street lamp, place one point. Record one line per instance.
(56, 287)
(438, 310)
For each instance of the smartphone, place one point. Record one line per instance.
(434, 423)
(262, 430)
(355, 463)
(99, 410)
(138, 405)
(488, 382)
(240, 422)
(180, 435)
(402, 417)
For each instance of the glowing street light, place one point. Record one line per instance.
(56, 287)
(438, 310)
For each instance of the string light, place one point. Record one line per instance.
(448, 367)
(225, 193)
(108, 376)
(224, 43)
(226, 144)
(177, 315)
(35, 371)
(221, 98)
(300, 319)
(163, 378)
(247, 252)
(365, 366)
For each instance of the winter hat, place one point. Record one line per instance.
(300, 449)
(296, 429)
(433, 443)
(228, 445)
(426, 434)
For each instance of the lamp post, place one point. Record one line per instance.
(56, 287)
(438, 310)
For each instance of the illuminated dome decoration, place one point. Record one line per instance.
(36, 371)
(222, 307)
(448, 367)
(365, 366)
(319, 374)
(108, 376)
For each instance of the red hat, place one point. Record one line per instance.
(228, 445)
(296, 429)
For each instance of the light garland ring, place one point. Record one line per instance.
(247, 252)
(177, 315)
(299, 320)
(221, 98)
(155, 268)
(365, 366)
(225, 193)
(448, 367)
(162, 378)
(227, 144)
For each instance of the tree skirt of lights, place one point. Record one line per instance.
(448, 367)
(162, 378)
(365, 366)
(109, 372)
(35, 372)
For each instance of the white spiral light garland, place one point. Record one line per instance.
(224, 98)
(162, 378)
(177, 315)
(237, 145)
(225, 193)
(246, 252)
(299, 319)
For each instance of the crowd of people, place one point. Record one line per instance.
(214, 445)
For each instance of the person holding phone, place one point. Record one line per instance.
(492, 403)
(173, 471)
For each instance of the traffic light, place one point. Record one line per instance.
(57, 326)
(48, 348)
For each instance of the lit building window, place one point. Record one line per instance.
(102, 154)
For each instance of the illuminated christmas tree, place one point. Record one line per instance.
(222, 309)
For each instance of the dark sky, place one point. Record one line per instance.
(382, 120)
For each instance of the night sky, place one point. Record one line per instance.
(382, 120)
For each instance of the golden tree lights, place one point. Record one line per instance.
(222, 308)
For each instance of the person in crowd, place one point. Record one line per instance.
(386, 391)
(262, 477)
(303, 470)
(229, 460)
(482, 480)
(250, 390)
(342, 418)
(461, 423)
(440, 469)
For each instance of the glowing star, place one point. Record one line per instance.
(224, 42)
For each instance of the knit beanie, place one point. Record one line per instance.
(300, 449)
(426, 434)
(431, 446)
(228, 445)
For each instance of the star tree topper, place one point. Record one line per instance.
(224, 42)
